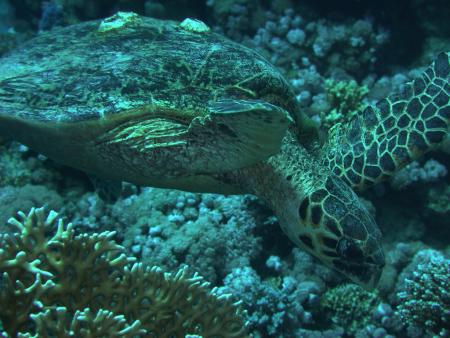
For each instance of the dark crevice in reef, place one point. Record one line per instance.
(409, 24)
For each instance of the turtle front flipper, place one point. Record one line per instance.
(237, 133)
(159, 147)
(397, 130)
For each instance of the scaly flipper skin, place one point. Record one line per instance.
(399, 129)
(316, 210)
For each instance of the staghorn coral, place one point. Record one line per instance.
(57, 322)
(57, 283)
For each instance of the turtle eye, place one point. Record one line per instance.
(349, 250)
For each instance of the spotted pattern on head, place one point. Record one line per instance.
(394, 132)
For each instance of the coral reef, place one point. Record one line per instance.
(438, 199)
(345, 99)
(14, 199)
(431, 171)
(349, 306)
(56, 283)
(338, 57)
(211, 233)
(423, 294)
(19, 167)
(290, 38)
(282, 304)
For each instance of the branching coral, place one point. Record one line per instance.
(345, 99)
(57, 283)
(350, 306)
(59, 322)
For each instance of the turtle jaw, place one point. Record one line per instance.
(366, 275)
(361, 267)
(361, 262)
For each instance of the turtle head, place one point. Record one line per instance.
(338, 229)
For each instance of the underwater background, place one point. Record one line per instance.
(338, 56)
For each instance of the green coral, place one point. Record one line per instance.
(350, 306)
(345, 99)
(54, 283)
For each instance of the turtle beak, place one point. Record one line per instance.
(374, 264)
(373, 282)
(376, 268)
(366, 275)
(374, 273)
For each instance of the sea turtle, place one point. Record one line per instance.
(174, 105)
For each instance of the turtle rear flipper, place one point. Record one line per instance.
(397, 130)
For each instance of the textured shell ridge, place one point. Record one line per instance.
(83, 74)
(134, 93)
